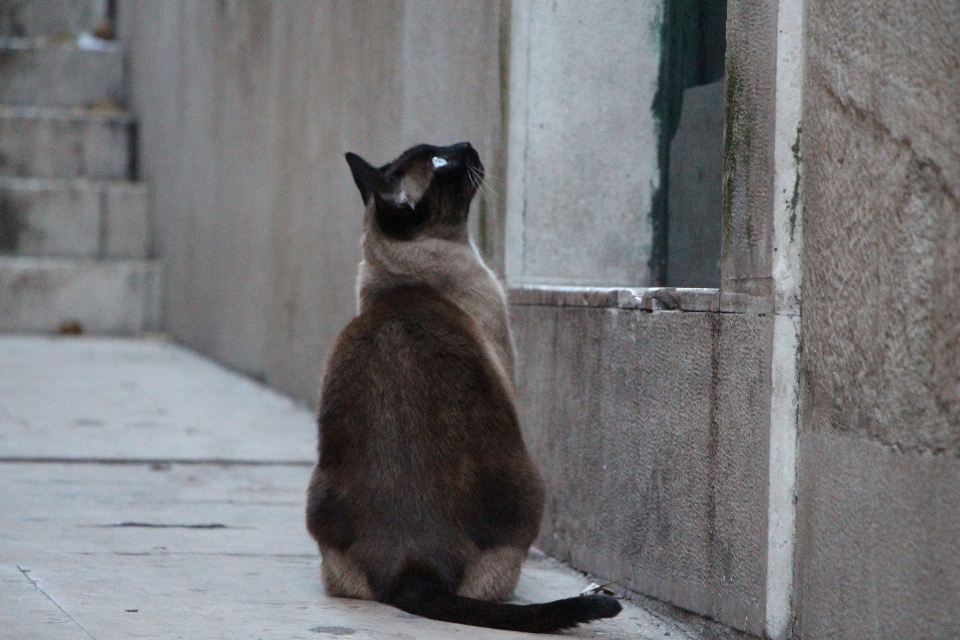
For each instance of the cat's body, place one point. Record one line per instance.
(425, 496)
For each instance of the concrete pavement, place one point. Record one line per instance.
(150, 493)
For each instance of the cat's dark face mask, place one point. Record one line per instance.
(426, 191)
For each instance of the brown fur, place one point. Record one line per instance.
(424, 495)
(421, 454)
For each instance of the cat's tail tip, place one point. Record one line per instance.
(601, 606)
(426, 598)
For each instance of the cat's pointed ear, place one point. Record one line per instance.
(368, 178)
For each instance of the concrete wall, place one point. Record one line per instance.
(245, 111)
(651, 429)
(879, 475)
(583, 141)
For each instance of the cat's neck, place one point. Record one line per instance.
(456, 271)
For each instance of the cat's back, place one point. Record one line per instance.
(413, 367)
(410, 314)
(402, 329)
(420, 445)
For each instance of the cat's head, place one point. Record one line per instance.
(425, 192)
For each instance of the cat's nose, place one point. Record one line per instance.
(466, 151)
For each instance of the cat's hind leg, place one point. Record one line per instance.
(342, 577)
(493, 575)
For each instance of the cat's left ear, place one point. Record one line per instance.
(368, 178)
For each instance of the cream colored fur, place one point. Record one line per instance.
(493, 575)
(453, 267)
(342, 578)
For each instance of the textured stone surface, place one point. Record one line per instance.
(73, 218)
(104, 296)
(59, 75)
(882, 273)
(49, 217)
(125, 222)
(881, 321)
(41, 142)
(245, 111)
(878, 541)
(748, 169)
(583, 142)
(651, 430)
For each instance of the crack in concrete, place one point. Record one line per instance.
(36, 585)
(850, 104)
(161, 525)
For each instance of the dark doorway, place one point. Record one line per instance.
(689, 105)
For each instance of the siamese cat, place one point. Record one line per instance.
(424, 496)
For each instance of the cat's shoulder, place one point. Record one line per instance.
(409, 314)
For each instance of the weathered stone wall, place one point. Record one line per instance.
(651, 429)
(245, 111)
(879, 457)
(746, 261)
(583, 141)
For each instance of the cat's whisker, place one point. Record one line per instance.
(480, 182)
(491, 177)
(489, 192)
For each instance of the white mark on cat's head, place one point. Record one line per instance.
(409, 191)
(438, 162)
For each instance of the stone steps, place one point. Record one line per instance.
(74, 228)
(40, 72)
(73, 218)
(26, 18)
(57, 142)
(96, 296)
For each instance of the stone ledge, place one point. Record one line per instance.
(641, 298)
(71, 43)
(68, 114)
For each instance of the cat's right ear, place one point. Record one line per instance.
(368, 178)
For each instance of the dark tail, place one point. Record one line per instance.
(423, 597)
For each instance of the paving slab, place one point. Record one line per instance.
(115, 399)
(116, 522)
(30, 614)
